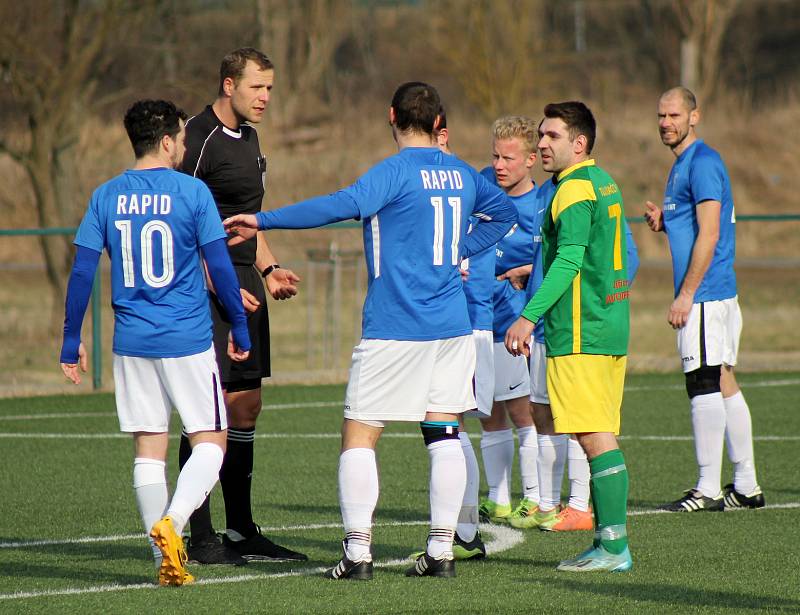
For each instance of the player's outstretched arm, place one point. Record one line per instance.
(654, 217)
(240, 227)
(79, 289)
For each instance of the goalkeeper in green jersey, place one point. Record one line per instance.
(584, 302)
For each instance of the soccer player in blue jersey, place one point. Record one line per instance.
(155, 223)
(698, 217)
(417, 354)
(513, 157)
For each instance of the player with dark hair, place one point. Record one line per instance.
(417, 354)
(154, 223)
(699, 220)
(583, 299)
(222, 150)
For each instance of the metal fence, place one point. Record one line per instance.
(312, 335)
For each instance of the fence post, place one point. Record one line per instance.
(97, 344)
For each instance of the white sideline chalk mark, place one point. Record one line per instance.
(335, 436)
(502, 539)
(495, 530)
(330, 404)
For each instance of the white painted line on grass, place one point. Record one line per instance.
(331, 404)
(333, 436)
(312, 526)
(502, 539)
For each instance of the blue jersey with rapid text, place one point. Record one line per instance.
(152, 224)
(699, 175)
(415, 208)
(478, 287)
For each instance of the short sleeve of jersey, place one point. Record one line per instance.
(572, 210)
(209, 226)
(197, 158)
(707, 178)
(375, 188)
(90, 232)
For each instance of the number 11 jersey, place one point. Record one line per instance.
(415, 207)
(152, 224)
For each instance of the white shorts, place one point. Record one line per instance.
(711, 334)
(399, 380)
(511, 377)
(147, 389)
(484, 372)
(538, 365)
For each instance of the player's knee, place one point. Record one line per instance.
(438, 431)
(703, 381)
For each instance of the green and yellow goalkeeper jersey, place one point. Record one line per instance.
(593, 315)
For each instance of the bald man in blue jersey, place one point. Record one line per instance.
(698, 217)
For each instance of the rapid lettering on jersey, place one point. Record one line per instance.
(441, 179)
(142, 204)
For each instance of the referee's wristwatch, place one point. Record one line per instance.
(267, 270)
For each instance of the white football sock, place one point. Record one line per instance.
(708, 422)
(528, 462)
(447, 485)
(150, 487)
(497, 448)
(739, 437)
(468, 517)
(552, 457)
(196, 480)
(358, 496)
(578, 472)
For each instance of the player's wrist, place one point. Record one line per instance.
(266, 271)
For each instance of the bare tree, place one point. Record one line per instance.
(301, 37)
(53, 88)
(492, 49)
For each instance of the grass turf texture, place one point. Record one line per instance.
(67, 488)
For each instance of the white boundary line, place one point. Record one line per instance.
(334, 436)
(332, 404)
(300, 528)
(503, 538)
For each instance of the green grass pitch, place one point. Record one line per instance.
(70, 539)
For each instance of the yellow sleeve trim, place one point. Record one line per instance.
(571, 192)
(576, 314)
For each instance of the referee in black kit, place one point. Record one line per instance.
(222, 150)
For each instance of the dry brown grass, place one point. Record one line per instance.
(305, 162)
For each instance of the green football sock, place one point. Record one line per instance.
(610, 497)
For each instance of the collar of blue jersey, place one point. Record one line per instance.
(685, 152)
(574, 167)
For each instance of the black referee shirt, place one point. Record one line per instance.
(231, 165)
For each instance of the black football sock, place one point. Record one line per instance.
(200, 521)
(236, 477)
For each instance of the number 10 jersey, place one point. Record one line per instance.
(152, 224)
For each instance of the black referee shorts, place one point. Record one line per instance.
(245, 375)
